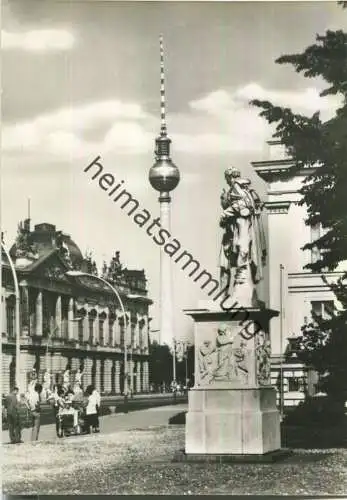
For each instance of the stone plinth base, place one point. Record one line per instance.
(224, 421)
(270, 457)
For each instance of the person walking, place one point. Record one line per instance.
(96, 394)
(34, 401)
(91, 410)
(13, 416)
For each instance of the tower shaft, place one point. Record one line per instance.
(166, 288)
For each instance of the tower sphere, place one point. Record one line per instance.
(164, 175)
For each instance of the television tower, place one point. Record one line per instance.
(164, 177)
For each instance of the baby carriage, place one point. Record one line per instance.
(70, 415)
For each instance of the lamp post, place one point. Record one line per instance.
(17, 318)
(88, 275)
(281, 341)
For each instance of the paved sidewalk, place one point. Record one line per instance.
(150, 417)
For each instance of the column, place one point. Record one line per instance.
(96, 329)
(70, 322)
(39, 317)
(24, 368)
(137, 332)
(106, 327)
(44, 363)
(55, 365)
(24, 307)
(3, 312)
(131, 373)
(138, 377)
(85, 326)
(145, 381)
(58, 316)
(107, 375)
(116, 329)
(87, 377)
(117, 376)
(97, 375)
(145, 335)
(5, 376)
(75, 363)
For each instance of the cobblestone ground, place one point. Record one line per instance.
(140, 462)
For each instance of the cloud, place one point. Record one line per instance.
(231, 125)
(220, 122)
(63, 130)
(38, 40)
(306, 101)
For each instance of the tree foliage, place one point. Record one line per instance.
(160, 364)
(320, 147)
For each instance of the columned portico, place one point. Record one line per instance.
(39, 314)
(71, 322)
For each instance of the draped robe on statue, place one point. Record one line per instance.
(243, 245)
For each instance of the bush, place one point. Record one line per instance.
(316, 411)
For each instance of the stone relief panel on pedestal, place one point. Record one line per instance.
(220, 361)
(263, 356)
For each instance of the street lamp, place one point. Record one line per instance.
(17, 318)
(174, 360)
(88, 275)
(281, 341)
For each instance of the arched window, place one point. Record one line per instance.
(91, 319)
(10, 315)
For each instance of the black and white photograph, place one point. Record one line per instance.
(173, 247)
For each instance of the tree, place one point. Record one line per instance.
(160, 364)
(311, 142)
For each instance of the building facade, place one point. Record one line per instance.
(73, 322)
(293, 290)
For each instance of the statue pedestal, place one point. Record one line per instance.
(232, 407)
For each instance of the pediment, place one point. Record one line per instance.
(52, 268)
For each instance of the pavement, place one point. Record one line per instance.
(141, 419)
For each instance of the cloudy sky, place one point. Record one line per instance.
(81, 79)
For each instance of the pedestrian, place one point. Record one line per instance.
(13, 416)
(47, 380)
(66, 378)
(56, 399)
(78, 377)
(91, 411)
(96, 394)
(33, 380)
(34, 401)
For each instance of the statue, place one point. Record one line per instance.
(226, 368)
(64, 251)
(91, 267)
(206, 365)
(104, 270)
(115, 270)
(241, 357)
(24, 247)
(243, 251)
(263, 352)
